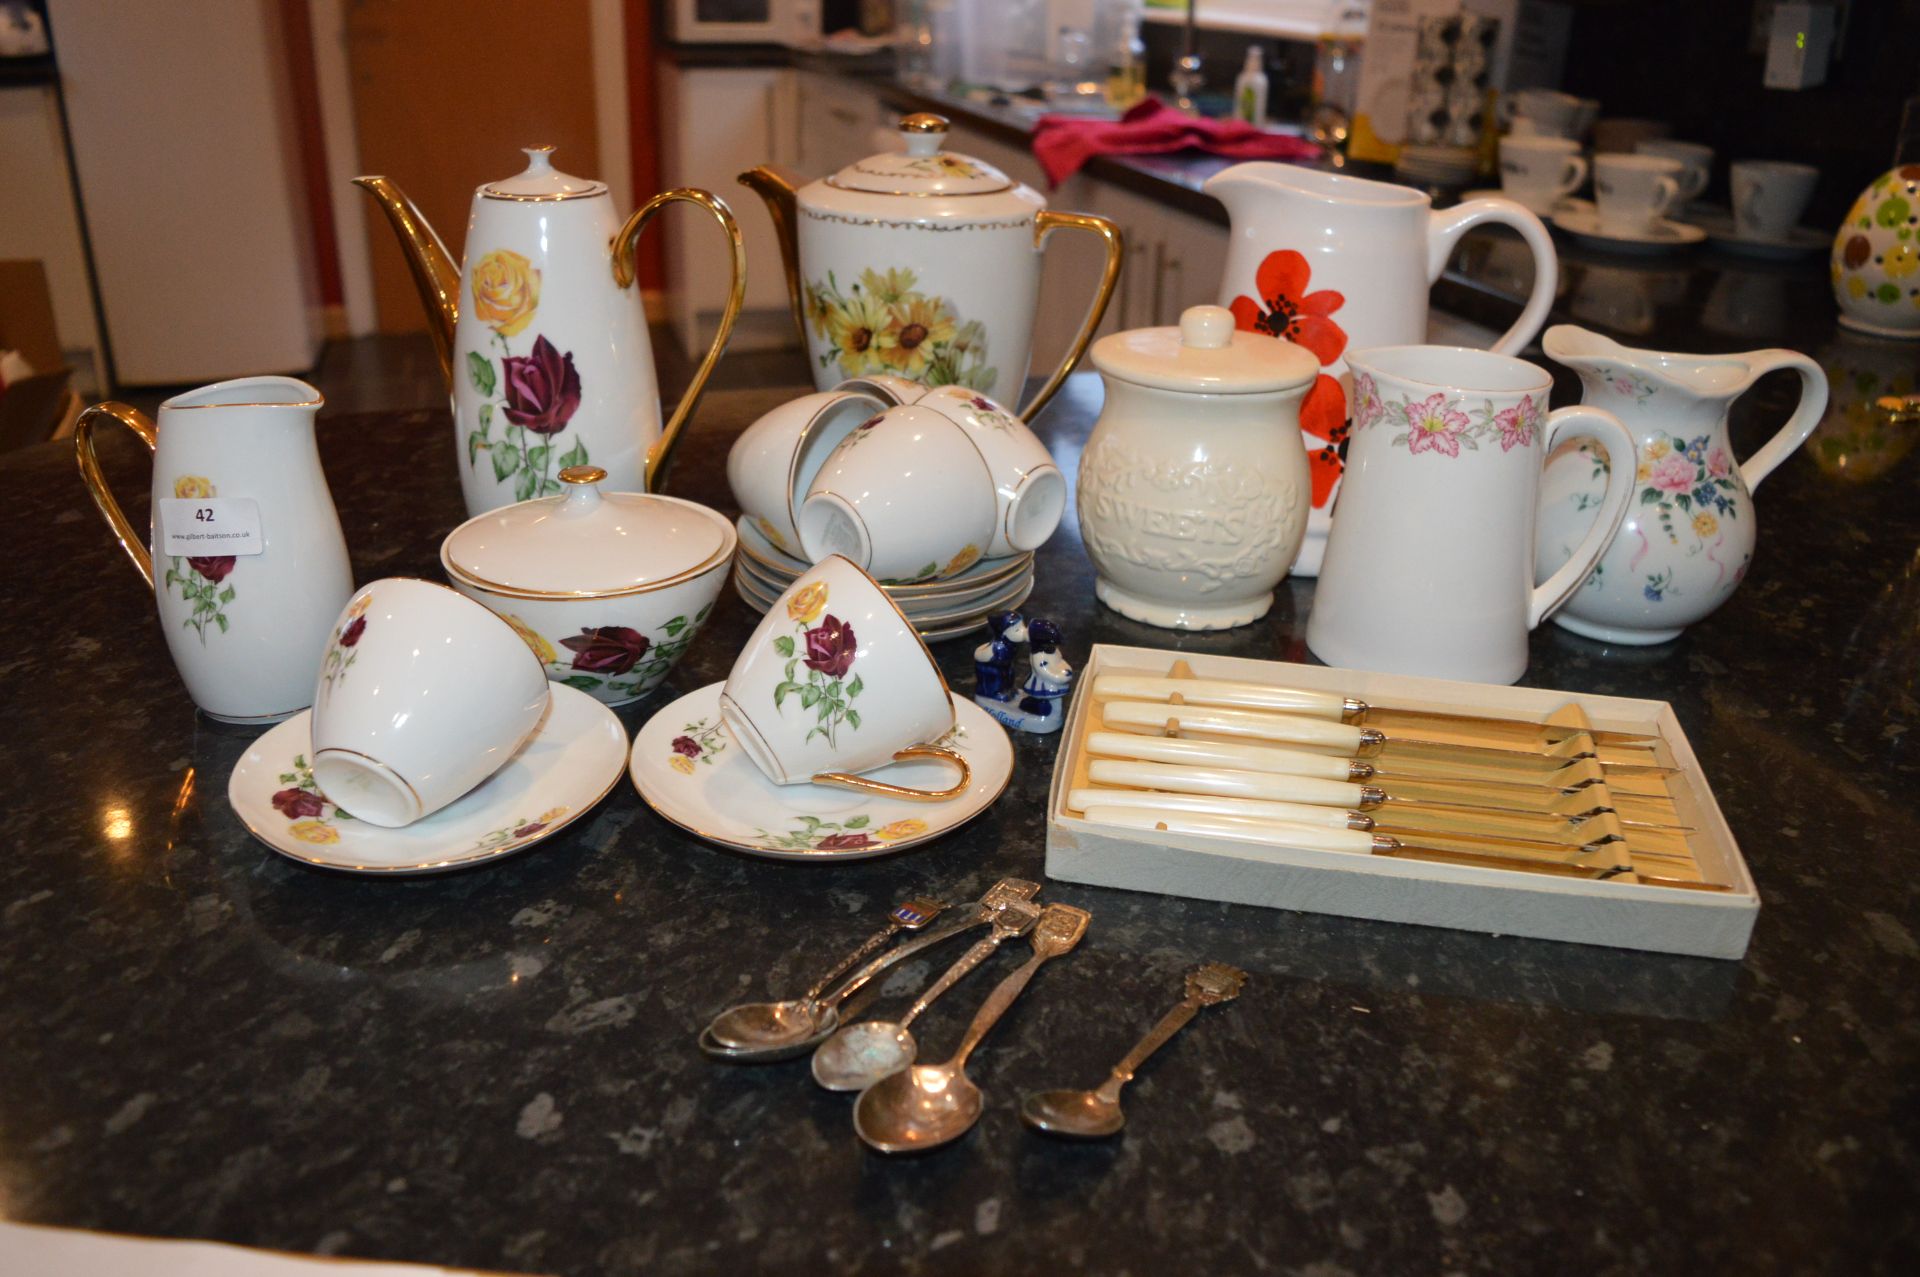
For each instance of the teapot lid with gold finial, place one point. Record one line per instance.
(540, 180)
(924, 167)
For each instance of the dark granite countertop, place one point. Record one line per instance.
(497, 1068)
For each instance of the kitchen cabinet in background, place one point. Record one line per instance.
(716, 123)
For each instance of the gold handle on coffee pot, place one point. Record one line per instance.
(96, 480)
(624, 273)
(1044, 224)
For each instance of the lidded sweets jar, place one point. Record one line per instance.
(1193, 492)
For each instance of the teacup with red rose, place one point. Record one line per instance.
(834, 682)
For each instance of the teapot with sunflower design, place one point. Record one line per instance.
(542, 334)
(925, 264)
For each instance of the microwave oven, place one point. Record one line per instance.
(789, 22)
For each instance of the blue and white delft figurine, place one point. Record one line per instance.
(1040, 704)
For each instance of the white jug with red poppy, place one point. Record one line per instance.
(244, 552)
(1689, 534)
(542, 334)
(1331, 262)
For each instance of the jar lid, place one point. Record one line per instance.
(923, 168)
(1205, 353)
(587, 543)
(542, 181)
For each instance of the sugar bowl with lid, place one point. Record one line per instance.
(607, 588)
(1193, 490)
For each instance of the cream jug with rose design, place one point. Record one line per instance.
(542, 334)
(1689, 533)
(924, 264)
(244, 552)
(1330, 262)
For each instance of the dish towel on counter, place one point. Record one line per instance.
(1064, 143)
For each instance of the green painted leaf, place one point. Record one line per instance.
(701, 615)
(853, 688)
(486, 418)
(582, 682)
(480, 370)
(674, 626)
(474, 444)
(780, 693)
(574, 456)
(826, 709)
(809, 697)
(853, 716)
(537, 455)
(226, 595)
(1649, 496)
(549, 487)
(859, 822)
(505, 462)
(527, 485)
(222, 619)
(784, 646)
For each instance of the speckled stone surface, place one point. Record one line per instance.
(497, 1068)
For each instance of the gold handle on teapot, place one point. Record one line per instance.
(91, 475)
(624, 273)
(1044, 224)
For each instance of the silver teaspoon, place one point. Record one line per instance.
(858, 1055)
(756, 1023)
(803, 1025)
(928, 1105)
(1096, 1113)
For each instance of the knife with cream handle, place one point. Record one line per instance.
(1234, 694)
(1408, 820)
(1512, 770)
(1159, 717)
(1463, 796)
(1203, 753)
(1275, 833)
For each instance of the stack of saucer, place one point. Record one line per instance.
(938, 609)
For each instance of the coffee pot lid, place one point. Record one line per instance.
(923, 168)
(586, 543)
(1205, 354)
(542, 181)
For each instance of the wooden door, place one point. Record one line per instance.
(445, 92)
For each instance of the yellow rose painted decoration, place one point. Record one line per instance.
(807, 604)
(506, 291)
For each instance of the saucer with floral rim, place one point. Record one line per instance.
(569, 764)
(687, 767)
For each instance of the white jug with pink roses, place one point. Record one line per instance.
(542, 334)
(1689, 534)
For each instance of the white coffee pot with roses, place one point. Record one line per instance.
(542, 334)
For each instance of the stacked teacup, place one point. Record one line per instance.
(940, 494)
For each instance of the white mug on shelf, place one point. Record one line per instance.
(1696, 160)
(1769, 197)
(1540, 171)
(1633, 192)
(1429, 567)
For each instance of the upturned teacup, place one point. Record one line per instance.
(836, 681)
(422, 694)
(907, 496)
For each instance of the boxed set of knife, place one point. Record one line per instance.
(1516, 811)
